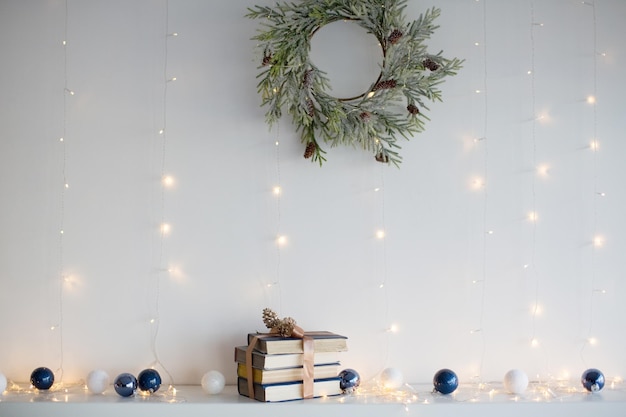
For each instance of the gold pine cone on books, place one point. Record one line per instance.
(285, 327)
(270, 318)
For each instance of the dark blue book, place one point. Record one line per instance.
(289, 391)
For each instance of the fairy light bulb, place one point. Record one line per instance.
(592, 341)
(543, 170)
(533, 216)
(591, 100)
(281, 240)
(534, 342)
(598, 241)
(276, 190)
(168, 181)
(594, 145)
(165, 228)
(380, 234)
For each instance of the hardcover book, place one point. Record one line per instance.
(265, 376)
(322, 341)
(262, 360)
(289, 391)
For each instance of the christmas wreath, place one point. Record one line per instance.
(394, 103)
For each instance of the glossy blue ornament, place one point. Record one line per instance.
(350, 380)
(592, 380)
(149, 380)
(445, 381)
(42, 378)
(125, 385)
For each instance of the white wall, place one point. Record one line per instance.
(224, 217)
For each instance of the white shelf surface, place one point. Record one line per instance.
(190, 401)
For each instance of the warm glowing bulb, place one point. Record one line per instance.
(543, 170)
(529, 72)
(370, 94)
(594, 145)
(598, 241)
(168, 181)
(393, 328)
(53, 328)
(534, 342)
(165, 228)
(592, 341)
(477, 91)
(64, 43)
(591, 100)
(536, 310)
(277, 190)
(281, 240)
(476, 44)
(161, 131)
(277, 143)
(490, 232)
(174, 34)
(172, 79)
(477, 183)
(380, 234)
(61, 139)
(533, 216)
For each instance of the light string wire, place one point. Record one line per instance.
(383, 284)
(594, 149)
(485, 143)
(278, 191)
(64, 187)
(156, 321)
(535, 307)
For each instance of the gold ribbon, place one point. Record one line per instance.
(308, 352)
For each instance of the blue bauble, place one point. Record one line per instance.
(445, 381)
(592, 380)
(42, 378)
(125, 385)
(149, 380)
(350, 380)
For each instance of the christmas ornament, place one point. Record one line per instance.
(350, 380)
(149, 380)
(125, 385)
(592, 380)
(391, 378)
(42, 378)
(515, 381)
(445, 381)
(97, 381)
(408, 73)
(213, 382)
(3, 383)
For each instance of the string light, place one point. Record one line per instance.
(165, 228)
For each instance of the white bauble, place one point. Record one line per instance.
(213, 382)
(3, 383)
(391, 378)
(97, 381)
(515, 381)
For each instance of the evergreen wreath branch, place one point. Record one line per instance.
(394, 103)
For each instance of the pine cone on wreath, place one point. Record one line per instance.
(267, 60)
(311, 147)
(413, 109)
(310, 107)
(380, 157)
(430, 64)
(385, 85)
(395, 36)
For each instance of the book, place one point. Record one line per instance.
(322, 341)
(289, 391)
(270, 376)
(262, 360)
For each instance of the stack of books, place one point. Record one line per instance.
(278, 371)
